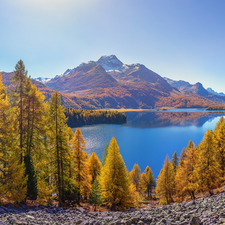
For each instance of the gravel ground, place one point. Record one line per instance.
(208, 211)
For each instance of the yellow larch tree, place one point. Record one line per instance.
(135, 174)
(59, 135)
(165, 184)
(147, 183)
(207, 169)
(32, 123)
(12, 180)
(94, 166)
(182, 155)
(219, 139)
(80, 165)
(219, 123)
(185, 177)
(117, 187)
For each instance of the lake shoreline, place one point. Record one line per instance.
(137, 110)
(161, 109)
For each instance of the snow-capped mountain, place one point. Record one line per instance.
(42, 80)
(110, 63)
(214, 92)
(177, 84)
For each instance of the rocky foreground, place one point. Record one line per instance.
(202, 211)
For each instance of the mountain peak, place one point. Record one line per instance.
(110, 62)
(198, 84)
(214, 92)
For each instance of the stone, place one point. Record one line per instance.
(195, 221)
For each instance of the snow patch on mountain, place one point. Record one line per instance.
(110, 63)
(214, 92)
(42, 80)
(177, 84)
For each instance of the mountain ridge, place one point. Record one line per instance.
(108, 83)
(186, 87)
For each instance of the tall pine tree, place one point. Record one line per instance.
(59, 135)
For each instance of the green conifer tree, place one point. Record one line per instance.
(174, 161)
(95, 194)
(105, 153)
(136, 175)
(31, 178)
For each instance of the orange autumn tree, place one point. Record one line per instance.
(207, 169)
(80, 165)
(117, 188)
(185, 177)
(219, 140)
(165, 184)
(94, 166)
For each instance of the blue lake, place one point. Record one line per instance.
(148, 137)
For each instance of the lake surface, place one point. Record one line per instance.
(148, 137)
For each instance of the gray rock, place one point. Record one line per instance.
(195, 221)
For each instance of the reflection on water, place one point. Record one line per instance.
(148, 137)
(164, 119)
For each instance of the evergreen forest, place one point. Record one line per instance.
(42, 159)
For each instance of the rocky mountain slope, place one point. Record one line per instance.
(198, 89)
(108, 72)
(207, 211)
(210, 90)
(186, 87)
(109, 83)
(115, 84)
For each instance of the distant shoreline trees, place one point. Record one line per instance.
(81, 117)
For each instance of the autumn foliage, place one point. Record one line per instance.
(200, 169)
(41, 158)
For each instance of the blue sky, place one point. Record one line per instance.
(179, 39)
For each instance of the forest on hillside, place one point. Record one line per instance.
(81, 117)
(42, 159)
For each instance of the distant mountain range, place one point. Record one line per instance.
(186, 87)
(109, 83)
(214, 92)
